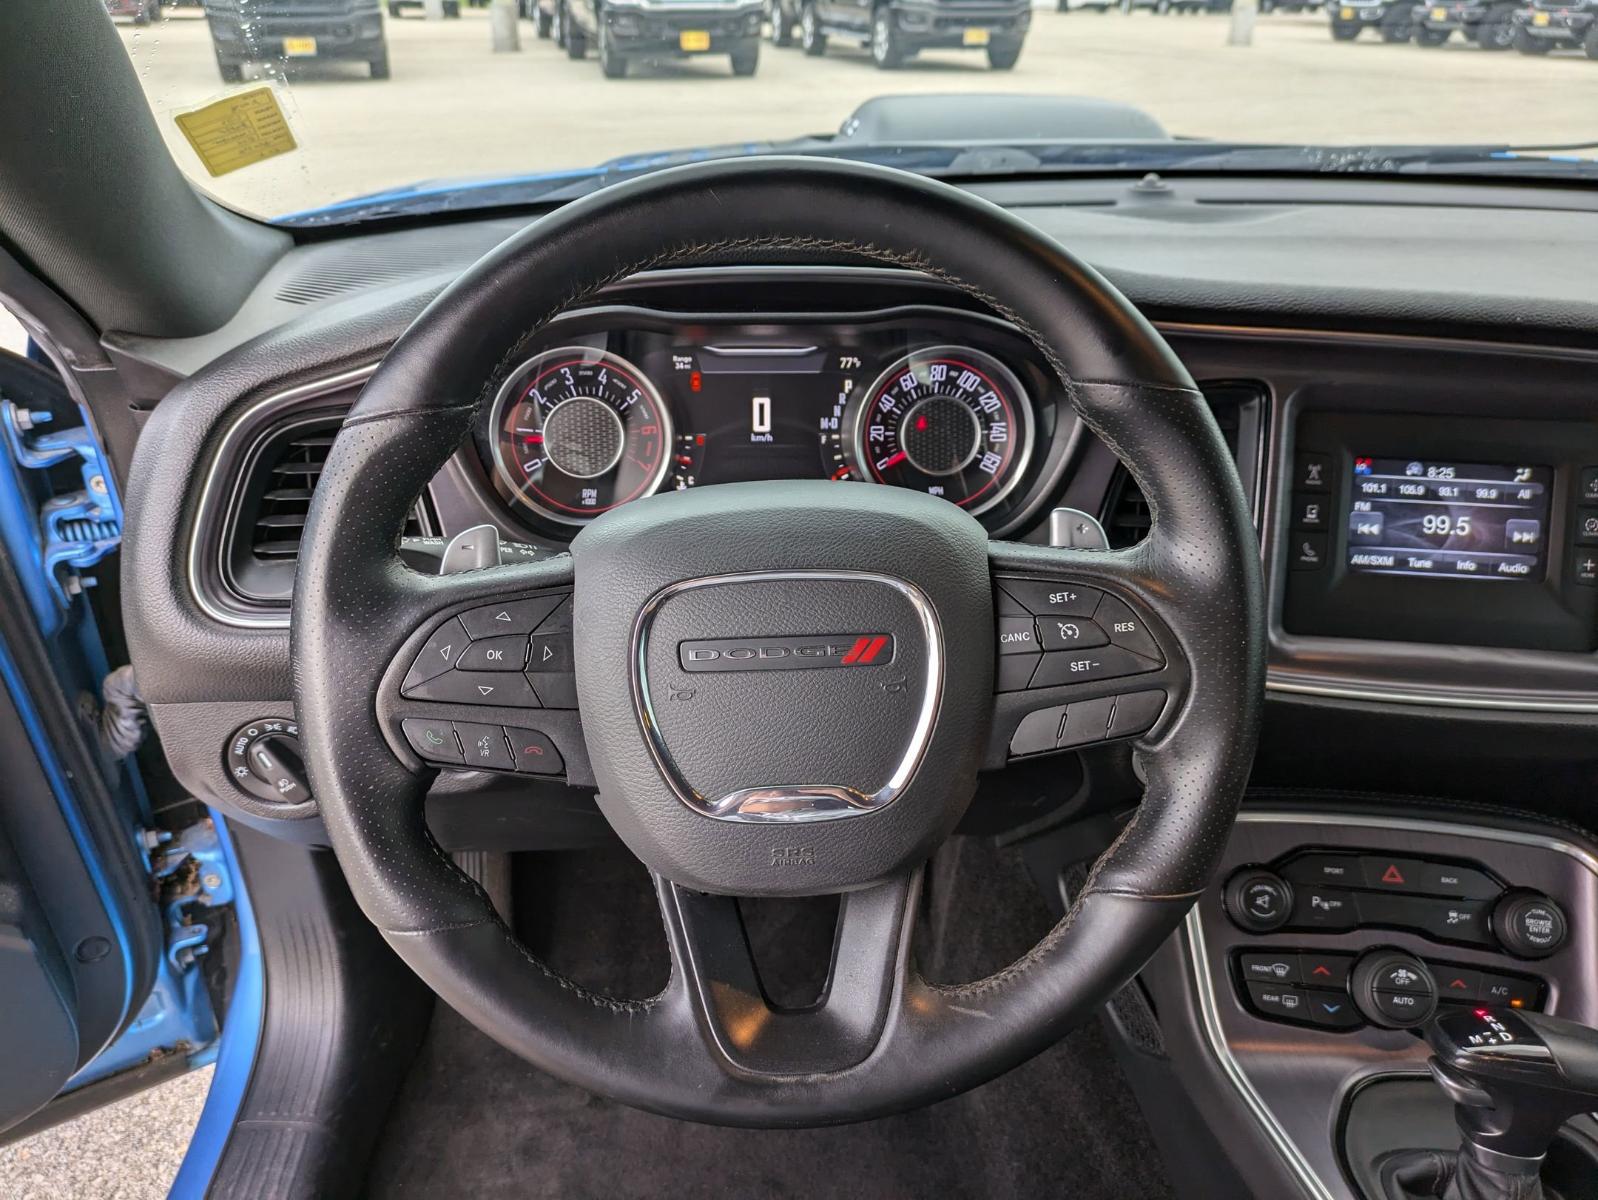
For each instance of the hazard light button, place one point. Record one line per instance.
(1394, 874)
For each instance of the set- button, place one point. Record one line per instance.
(1051, 634)
(513, 655)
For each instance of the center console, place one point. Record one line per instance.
(1328, 939)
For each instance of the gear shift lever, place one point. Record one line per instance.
(1514, 1077)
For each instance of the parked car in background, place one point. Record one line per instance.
(1548, 25)
(541, 13)
(142, 11)
(1393, 20)
(622, 30)
(1488, 23)
(452, 8)
(253, 31)
(897, 30)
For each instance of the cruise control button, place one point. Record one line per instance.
(534, 753)
(556, 689)
(1086, 721)
(1017, 635)
(517, 616)
(484, 746)
(550, 652)
(1047, 598)
(1276, 1001)
(1136, 713)
(437, 656)
(1039, 731)
(479, 687)
(1015, 672)
(1126, 628)
(1070, 633)
(494, 654)
(1324, 970)
(432, 740)
(1269, 968)
(1084, 666)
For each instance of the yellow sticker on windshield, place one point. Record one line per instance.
(238, 130)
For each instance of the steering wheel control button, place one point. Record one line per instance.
(484, 746)
(1014, 672)
(559, 619)
(1050, 598)
(1258, 901)
(1039, 732)
(443, 649)
(1126, 629)
(1529, 925)
(489, 688)
(1269, 967)
(1087, 666)
(554, 689)
(550, 653)
(264, 761)
(433, 741)
(516, 617)
(533, 752)
(1070, 633)
(495, 654)
(1136, 713)
(1086, 721)
(1017, 635)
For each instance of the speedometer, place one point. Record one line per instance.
(949, 421)
(577, 431)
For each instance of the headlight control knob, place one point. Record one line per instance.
(263, 759)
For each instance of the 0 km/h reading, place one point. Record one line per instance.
(949, 421)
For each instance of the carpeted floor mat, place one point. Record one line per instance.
(475, 1121)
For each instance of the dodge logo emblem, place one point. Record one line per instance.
(787, 653)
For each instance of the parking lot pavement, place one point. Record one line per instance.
(130, 1150)
(454, 108)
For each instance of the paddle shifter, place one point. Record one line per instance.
(1514, 1077)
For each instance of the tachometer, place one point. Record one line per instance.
(948, 420)
(577, 431)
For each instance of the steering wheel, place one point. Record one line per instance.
(839, 778)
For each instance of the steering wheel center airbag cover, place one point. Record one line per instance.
(814, 700)
(756, 662)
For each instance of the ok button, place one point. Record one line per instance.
(494, 654)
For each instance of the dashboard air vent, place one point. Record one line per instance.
(278, 480)
(1239, 410)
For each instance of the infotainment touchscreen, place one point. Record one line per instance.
(1452, 520)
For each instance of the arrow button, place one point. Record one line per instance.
(550, 652)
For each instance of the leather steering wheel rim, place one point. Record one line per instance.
(357, 607)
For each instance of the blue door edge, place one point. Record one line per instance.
(240, 1039)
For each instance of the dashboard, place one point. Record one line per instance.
(619, 402)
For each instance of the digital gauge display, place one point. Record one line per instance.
(1448, 520)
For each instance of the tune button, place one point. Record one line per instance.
(1529, 925)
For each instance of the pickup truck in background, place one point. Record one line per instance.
(1549, 25)
(896, 30)
(289, 31)
(622, 30)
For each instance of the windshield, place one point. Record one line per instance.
(315, 111)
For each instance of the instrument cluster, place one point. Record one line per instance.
(624, 402)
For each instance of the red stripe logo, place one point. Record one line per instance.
(864, 652)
